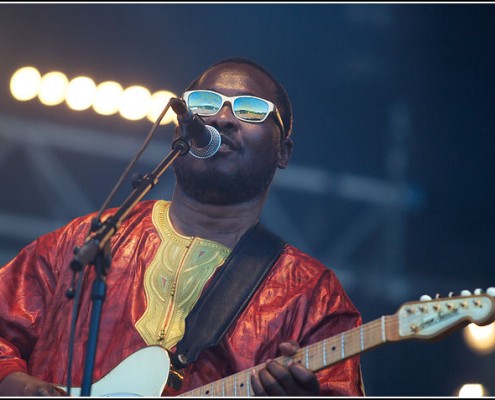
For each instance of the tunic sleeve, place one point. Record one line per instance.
(27, 285)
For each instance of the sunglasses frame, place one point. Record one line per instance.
(271, 107)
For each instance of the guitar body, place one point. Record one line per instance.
(142, 374)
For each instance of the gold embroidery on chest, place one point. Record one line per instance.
(175, 279)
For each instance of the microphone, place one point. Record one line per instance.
(205, 139)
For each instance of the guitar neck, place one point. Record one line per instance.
(314, 357)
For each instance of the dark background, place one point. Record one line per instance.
(391, 183)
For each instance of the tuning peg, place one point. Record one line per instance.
(425, 297)
(491, 291)
(465, 292)
(451, 294)
(478, 291)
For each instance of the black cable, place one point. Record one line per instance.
(75, 314)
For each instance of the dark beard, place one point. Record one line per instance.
(212, 186)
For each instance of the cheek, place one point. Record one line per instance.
(259, 150)
(261, 139)
(262, 154)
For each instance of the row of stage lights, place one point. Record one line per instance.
(82, 93)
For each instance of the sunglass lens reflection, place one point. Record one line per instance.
(250, 109)
(204, 103)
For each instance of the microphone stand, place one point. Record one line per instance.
(96, 251)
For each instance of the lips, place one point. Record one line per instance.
(229, 143)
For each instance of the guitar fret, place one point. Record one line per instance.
(384, 336)
(342, 345)
(324, 352)
(223, 387)
(241, 384)
(361, 337)
(307, 358)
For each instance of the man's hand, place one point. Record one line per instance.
(21, 384)
(278, 380)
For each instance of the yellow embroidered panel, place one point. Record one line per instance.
(175, 279)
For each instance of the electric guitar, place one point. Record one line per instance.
(145, 372)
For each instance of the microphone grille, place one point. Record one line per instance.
(211, 148)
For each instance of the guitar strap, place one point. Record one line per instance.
(228, 293)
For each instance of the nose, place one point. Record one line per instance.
(224, 117)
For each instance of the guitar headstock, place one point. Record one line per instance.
(429, 318)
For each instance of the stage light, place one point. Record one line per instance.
(480, 339)
(80, 93)
(158, 102)
(472, 390)
(135, 102)
(108, 97)
(24, 83)
(52, 88)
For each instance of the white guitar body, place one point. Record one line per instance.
(142, 374)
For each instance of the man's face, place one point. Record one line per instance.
(248, 157)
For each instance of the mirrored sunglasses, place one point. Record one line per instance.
(245, 108)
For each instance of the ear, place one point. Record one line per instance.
(284, 153)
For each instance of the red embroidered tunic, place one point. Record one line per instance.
(300, 299)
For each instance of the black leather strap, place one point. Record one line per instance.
(228, 293)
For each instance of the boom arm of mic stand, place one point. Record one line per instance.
(88, 251)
